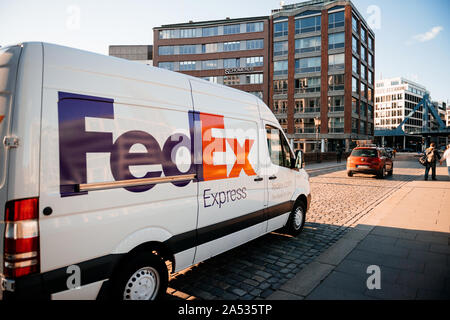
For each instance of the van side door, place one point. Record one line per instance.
(280, 177)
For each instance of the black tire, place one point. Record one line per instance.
(391, 173)
(296, 220)
(350, 173)
(143, 266)
(381, 173)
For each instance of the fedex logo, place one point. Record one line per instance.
(209, 146)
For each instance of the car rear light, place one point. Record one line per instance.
(21, 238)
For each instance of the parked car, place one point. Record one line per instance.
(370, 161)
(114, 170)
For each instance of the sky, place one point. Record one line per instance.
(412, 36)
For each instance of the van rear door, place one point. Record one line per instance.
(9, 61)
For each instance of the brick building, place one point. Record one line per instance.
(312, 63)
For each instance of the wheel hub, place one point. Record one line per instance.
(142, 285)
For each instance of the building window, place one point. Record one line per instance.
(362, 127)
(255, 44)
(363, 90)
(307, 65)
(232, 46)
(280, 29)
(336, 62)
(280, 48)
(209, 48)
(280, 106)
(256, 78)
(354, 106)
(307, 85)
(254, 61)
(336, 40)
(166, 50)
(355, 44)
(307, 105)
(355, 87)
(188, 49)
(370, 60)
(370, 77)
(336, 125)
(210, 79)
(363, 73)
(280, 87)
(209, 64)
(280, 68)
(210, 32)
(363, 35)
(354, 24)
(354, 125)
(232, 29)
(255, 27)
(187, 65)
(188, 33)
(363, 53)
(306, 25)
(371, 41)
(166, 65)
(362, 109)
(169, 34)
(336, 20)
(304, 45)
(336, 104)
(336, 82)
(231, 80)
(231, 63)
(369, 94)
(355, 65)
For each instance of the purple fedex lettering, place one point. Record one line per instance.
(75, 143)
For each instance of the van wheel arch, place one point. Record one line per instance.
(153, 248)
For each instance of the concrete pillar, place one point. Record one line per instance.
(347, 145)
(404, 142)
(322, 145)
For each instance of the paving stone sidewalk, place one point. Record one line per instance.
(407, 237)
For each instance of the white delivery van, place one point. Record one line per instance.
(111, 171)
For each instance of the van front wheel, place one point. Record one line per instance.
(296, 220)
(144, 277)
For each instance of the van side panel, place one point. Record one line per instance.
(26, 125)
(109, 120)
(9, 62)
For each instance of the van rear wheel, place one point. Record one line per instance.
(296, 220)
(144, 277)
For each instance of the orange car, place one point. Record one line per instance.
(370, 160)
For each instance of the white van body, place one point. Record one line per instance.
(123, 159)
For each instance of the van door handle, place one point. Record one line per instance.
(258, 179)
(272, 177)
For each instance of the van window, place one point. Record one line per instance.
(279, 150)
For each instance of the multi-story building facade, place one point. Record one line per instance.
(323, 74)
(233, 52)
(313, 63)
(395, 98)
(138, 53)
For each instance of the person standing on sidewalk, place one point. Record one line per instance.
(338, 153)
(432, 157)
(446, 157)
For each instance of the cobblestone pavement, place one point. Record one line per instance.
(256, 269)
